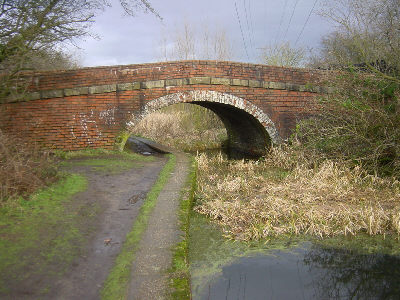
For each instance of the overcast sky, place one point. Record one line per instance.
(131, 40)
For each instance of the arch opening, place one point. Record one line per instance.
(250, 131)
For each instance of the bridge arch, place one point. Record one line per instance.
(249, 129)
(76, 109)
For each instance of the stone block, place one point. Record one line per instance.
(176, 82)
(52, 94)
(254, 83)
(125, 86)
(221, 81)
(241, 82)
(292, 87)
(277, 85)
(84, 90)
(136, 85)
(153, 84)
(100, 89)
(265, 84)
(32, 96)
(72, 92)
(200, 80)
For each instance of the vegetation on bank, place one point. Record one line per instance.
(116, 284)
(23, 169)
(179, 272)
(338, 174)
(260, 199)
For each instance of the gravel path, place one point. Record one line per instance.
(149, 279)
(114, 194)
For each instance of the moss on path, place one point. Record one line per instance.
(149, 277)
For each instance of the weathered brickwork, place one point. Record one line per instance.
(88, 107)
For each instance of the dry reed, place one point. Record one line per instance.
(255, 200)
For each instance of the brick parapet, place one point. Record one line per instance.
(83, 108)
(170, 70)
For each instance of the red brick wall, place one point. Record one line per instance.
(94, 120)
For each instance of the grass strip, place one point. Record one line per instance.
(179, 272)
(37, 232)
(116, 284)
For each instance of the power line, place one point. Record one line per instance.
(305, 23)
(248, 26)
(241, 30)
(290, 20)
(251, 23)
(265, 18)
(281, 21)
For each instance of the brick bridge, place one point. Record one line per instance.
(89, 107)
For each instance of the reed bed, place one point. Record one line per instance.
(183, 126)
(253, 200)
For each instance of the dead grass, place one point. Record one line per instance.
(23, 168)
(255, 200)
(183, 126)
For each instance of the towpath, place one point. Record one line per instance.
(149, 279)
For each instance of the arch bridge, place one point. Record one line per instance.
(89, 107)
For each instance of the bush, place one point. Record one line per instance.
(359, 124)
(23, 168)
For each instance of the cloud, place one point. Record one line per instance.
(127, 40)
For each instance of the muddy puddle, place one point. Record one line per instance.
(286, 269)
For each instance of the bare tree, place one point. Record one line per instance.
(283, 55)
(29, 28)
(367, 33)
(189, 43)
(185, 43)
(215, 45)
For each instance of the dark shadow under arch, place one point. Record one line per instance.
(249, 129)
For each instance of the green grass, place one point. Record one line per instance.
(105, 165)
(179, 272)
(116, 284)
(40, 232)
(114, 162)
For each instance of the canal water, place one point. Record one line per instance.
(289, 269)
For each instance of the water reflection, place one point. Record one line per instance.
(307, 273)
(354, 276)
(227, 270)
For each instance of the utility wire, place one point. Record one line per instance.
(290, 20)
(265, 20)
(305, 23)
(248, 26)
(281, 21)
(241, 30)
(252, 24)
